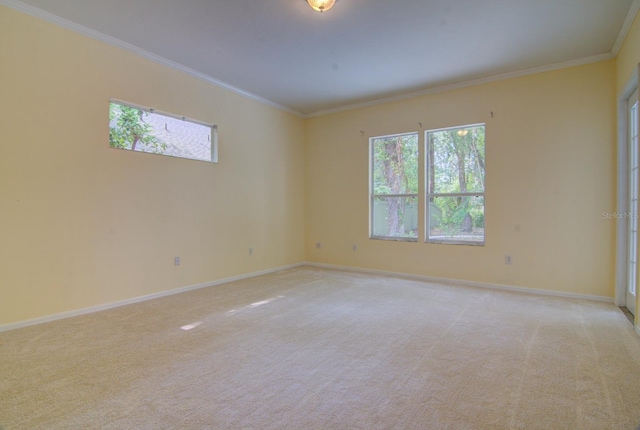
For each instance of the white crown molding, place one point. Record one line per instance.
(464, 283)
(631, 15)
(84, 311)
(70, 25)
(468, 83)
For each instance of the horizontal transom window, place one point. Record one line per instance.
(136, 128)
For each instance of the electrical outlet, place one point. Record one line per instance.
(508, 259)
(318, 245)
(355, 247)
(176, 261)
(250, 251)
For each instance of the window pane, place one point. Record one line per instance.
(458, 219)
(395, 217)
(395, 164)
(456, 160)
(138, 130)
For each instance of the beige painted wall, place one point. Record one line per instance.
(83, 225)
(550, 176)
(626, 66)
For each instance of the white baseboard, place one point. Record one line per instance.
(98, 308)
(465, 283)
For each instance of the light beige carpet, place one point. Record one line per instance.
(318, 349)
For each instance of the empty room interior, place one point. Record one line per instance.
(418, 214)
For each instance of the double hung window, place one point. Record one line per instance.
(394, 187)
(455, 164)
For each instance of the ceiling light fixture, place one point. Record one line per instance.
(321, 5)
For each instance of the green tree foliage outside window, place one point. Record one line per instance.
(127, 130)
(456, 184)
(395, 186)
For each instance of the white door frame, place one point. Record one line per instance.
(623, 191)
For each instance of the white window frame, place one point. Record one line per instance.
(213, 131)
(428, 195)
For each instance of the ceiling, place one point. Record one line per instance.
(285, 53)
